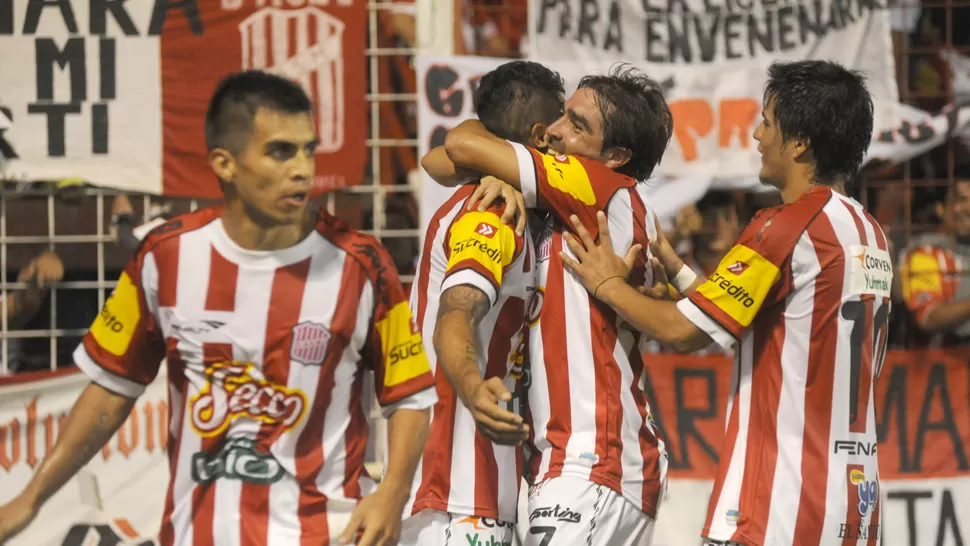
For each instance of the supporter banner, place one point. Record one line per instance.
(712, 56)
(115, 93)
(118, 497)
(922, 419)
(917, 133)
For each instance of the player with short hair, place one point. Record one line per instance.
(268, 314)
(805, 295)
(474, 285)
(599, 465)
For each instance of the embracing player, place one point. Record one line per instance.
(268, 314)
(804, 293)
(475, 281)
(599, 466)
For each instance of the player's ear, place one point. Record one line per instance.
(616, 157)
(537, 136)
(223, 164)
(800, 149)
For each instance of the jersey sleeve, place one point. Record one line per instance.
(395, 349)
(124, 347)
(755, 273)
(480, 247)
(923, 282)
(567, 184)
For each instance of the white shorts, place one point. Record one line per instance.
(436, 528)
(574, 512)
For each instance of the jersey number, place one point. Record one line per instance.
(547, 533)
(855, 312)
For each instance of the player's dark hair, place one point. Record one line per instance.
(515, 96)
(237, 98)
(635, 117)
(827, 105)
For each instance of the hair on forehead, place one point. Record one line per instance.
(237, 99)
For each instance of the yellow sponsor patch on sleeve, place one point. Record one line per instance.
(922, 274)
(740, 284)
(483, 238)
(401, 344)
(115, 326)
(567, 174)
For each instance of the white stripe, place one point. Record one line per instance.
(472, 278)
(318, 305)
(330, 482)
(527, 175)
(721, 527)
(790, 416)
(583, 399)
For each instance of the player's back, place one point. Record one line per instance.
(265, 353)
(799, 461)
(462, 472)
(585, 401)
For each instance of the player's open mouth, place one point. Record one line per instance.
(297, 199)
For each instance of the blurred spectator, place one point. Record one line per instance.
(933, 268)
(21, 305)
(720, 225)
(126, 232)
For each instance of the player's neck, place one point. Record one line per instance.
(250, 234)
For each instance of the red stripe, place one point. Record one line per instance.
(309, 455)
(816, 437)
(435, 487)
(607, 384)
(552, 323)
(761, 453)
(282, 314)
(223, 274)
(177, 381)
(204, 496)
(355, 440)
(649, 437)
(166, 256)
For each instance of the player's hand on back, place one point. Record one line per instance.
(491, 189)
(498, 425)
(596, 265)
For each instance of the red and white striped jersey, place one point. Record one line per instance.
(462, 472)
(589, 415)
(266, 352)
(805, 294)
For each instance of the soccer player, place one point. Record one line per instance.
(268, 314)
(599, 466)
(804, 293)
(474, 285)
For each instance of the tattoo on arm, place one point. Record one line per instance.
(460, 311)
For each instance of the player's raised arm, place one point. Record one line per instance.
(121, 353)
(480, 248)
